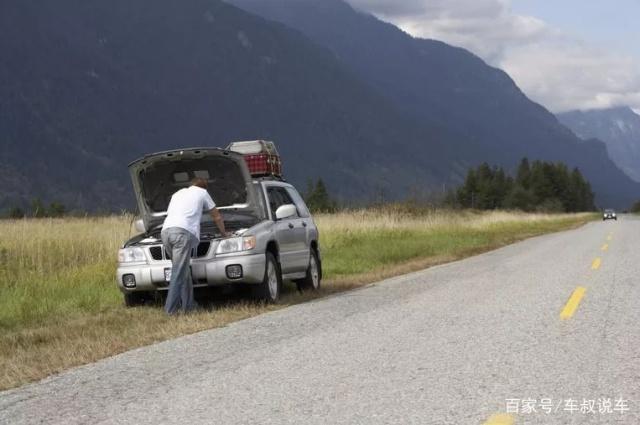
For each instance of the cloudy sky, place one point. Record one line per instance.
(566, 54)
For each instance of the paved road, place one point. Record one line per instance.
(456, 344)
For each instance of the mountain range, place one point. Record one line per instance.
(452, 88)
(618, 127)
(93, 85)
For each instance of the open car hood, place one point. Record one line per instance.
(156, 177)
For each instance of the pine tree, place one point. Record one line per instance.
(468, 191)
(501, 185)
(523, 175)
(317, 198)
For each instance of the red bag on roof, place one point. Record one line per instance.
(261, 156)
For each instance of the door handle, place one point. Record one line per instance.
(304, 223)
(290, 225)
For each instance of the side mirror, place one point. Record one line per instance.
(286, 211)
(138, 224)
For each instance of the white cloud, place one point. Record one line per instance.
(551, 67)
(566, 76)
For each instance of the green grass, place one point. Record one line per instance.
(52, 269)
(38, 300)
(358, 252)
(348, 252)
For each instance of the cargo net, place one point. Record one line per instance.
(264, 165)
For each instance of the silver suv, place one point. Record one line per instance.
(274, 235)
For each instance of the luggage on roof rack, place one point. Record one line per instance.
(261, 157)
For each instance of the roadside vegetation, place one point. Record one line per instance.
(59, 305)
(39, 210)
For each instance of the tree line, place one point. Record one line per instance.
(39, 210)
(537, 186)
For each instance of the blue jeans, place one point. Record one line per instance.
(179, 243)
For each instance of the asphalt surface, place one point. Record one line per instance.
(455, 344)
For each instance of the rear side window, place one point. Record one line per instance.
(278, 197)
(303, 211)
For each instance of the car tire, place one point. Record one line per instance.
(271, 287)
(135, 299)
(313, 278)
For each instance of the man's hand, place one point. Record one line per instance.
(217, 218)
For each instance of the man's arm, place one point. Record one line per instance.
(217, 218)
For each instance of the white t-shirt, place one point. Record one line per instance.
(186, 208)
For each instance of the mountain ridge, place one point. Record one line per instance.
(617, 127)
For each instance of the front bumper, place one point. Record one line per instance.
(149, 276)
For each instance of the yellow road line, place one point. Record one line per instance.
(596, 264)
(572, 304)
(500, 419)
(605, 247)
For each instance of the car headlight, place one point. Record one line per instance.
(230, 245)
(131, 255)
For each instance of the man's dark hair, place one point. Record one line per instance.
(200, 182)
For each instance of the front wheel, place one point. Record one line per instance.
(314, 275)
(271, 287)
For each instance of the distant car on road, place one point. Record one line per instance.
(609, 215)
(275, 237)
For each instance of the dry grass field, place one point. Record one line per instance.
(59, 305)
